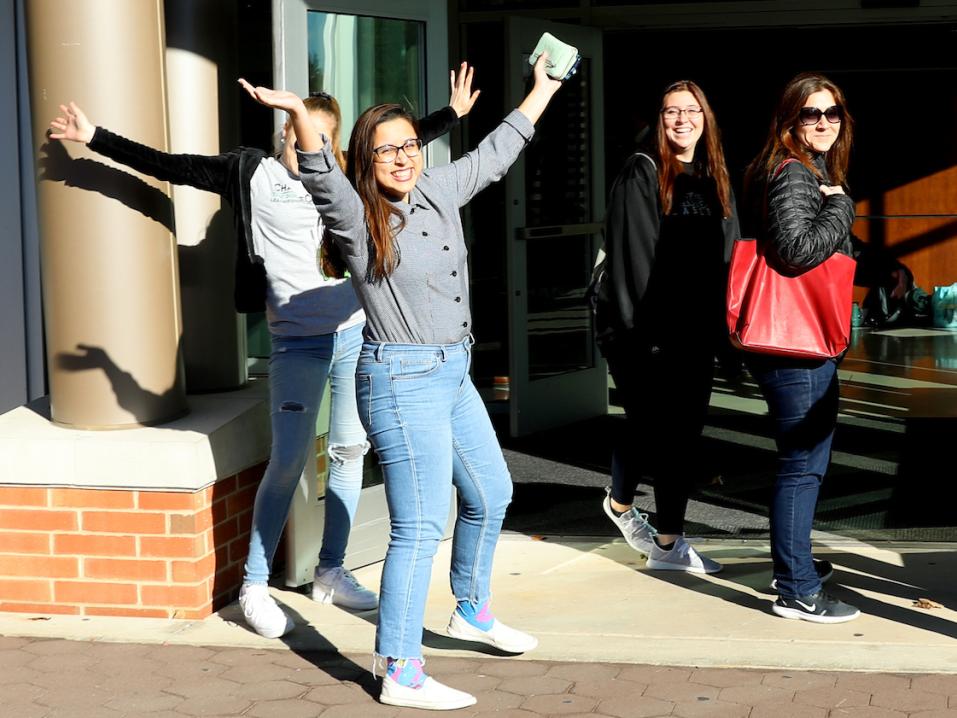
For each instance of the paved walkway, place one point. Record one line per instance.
(49, 678)
(616, 640)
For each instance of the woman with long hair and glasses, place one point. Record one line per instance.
(315, 323)
(398, 228)
(801, 216)
(659, 301)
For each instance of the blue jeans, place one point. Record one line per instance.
(802, 401)
(431, 431)
(298, 370)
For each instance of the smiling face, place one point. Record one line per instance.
(684, 129)
(820, 136)
(396, 178)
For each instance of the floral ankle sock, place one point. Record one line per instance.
(406, 672)
(481, 617)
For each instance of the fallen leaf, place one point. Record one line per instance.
(926, 603)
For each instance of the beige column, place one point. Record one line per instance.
(109, 270)
(203, 99)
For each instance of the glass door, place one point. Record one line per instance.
(362, 52)
(555, 203)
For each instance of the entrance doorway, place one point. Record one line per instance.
(363, 52)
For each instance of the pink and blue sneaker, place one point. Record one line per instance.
(476, 623)
(405, 684)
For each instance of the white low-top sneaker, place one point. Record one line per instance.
(338, 586)
(262, 613)
(681, 557)
(500, 636)
(430, 696)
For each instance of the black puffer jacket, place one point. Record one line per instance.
(804, 227)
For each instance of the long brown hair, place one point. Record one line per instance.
(670, 166)
(782, 142)
(324, 102)
(330, 259)
(383, 220)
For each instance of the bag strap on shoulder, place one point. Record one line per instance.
(647, 157)
(780, 167)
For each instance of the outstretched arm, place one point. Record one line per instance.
(72, 125)
(210, 173)
(307, 138)
(462, 99)
(460, 104)
(334, 197)
(537, 100)
(489, 162)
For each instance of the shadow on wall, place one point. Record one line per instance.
(209, 262)
(56, 165)
(132, 397)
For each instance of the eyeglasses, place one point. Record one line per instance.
(812, 115)
(321, 95)
(387, 153)
(673, 113)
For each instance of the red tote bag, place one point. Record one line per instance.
(807, 316)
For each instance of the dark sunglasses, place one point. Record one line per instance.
(812, 115)
(321, 95)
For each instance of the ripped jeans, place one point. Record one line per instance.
(298, 369)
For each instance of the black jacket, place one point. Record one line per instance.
(625, 294)
(228, 175)
(803, 227)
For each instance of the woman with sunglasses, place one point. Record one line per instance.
(315, 322)
(801, 214)
(399, 231)
(659, 299)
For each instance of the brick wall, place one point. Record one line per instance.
(100, 552)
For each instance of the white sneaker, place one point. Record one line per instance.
(681, 557)
(503, 637)
(338, 586)
(634, 526)
(262, 613)
(430, 696)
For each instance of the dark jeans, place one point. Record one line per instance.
(802, 401)
(665, 392)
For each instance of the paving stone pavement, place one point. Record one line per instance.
(52, 678)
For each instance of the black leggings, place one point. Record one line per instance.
(665, 391)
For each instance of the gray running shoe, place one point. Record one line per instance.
(681, 557)
(634, 526)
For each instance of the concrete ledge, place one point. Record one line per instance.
(148, 522)
(222, 435)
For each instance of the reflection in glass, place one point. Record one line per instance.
(558, 180)
(365, 61)
(559, 321)
(558, 162)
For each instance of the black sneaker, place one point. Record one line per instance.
(824, 572)
(817, 607)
